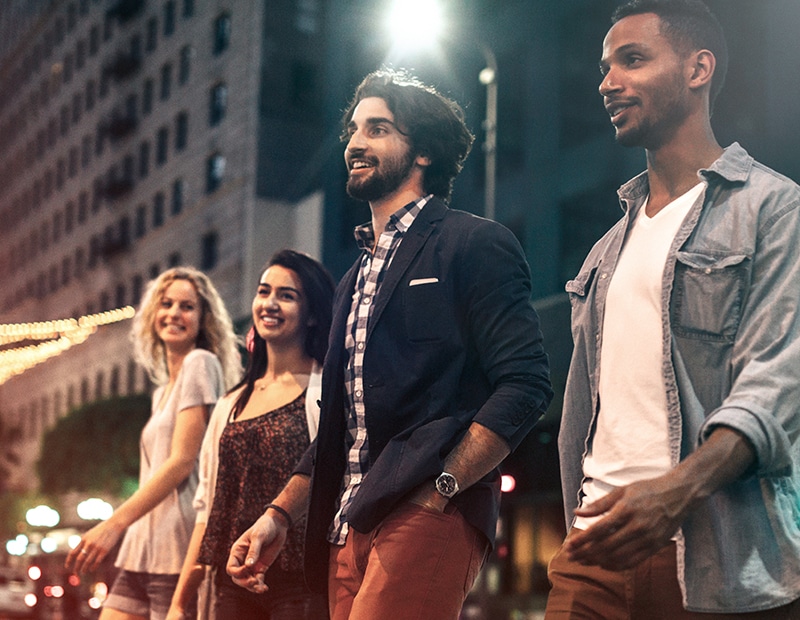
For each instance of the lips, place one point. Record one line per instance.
(616, 109)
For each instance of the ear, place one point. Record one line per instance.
(701, 68)
(423, 161)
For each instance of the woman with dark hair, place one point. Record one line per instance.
(256, 435)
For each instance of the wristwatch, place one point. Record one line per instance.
(447, 485)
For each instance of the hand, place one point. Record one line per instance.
(255, 551)
(427, 496)
(640, 519)
(93, 547)
(175, 613)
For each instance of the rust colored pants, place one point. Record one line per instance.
(650, 591)
(418, 564)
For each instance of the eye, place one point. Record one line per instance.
(633, 59)
(378, 130)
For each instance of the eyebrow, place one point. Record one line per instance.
(622, 49)
(280, 288)
(375, 120)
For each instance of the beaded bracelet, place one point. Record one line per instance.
(281, 511)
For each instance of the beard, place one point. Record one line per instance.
(387, 175)
(670, 108)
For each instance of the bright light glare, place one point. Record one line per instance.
(35, 573)
(30, 599)
(415, 23)
(507, 483)
(42, 516)
(95, 508)
(18, 546)
(73, 540)
(48, 545)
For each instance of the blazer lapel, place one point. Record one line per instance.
(413, 241)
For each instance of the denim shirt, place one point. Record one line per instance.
(731, 357)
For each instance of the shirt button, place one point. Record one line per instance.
(707, 270)
(603, 276)
(358, 393)
(366, 300)
(360, 346)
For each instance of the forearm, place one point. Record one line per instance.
(148, 496)
(720, 460)
(192, 572)
(293, 498)
(478, 453)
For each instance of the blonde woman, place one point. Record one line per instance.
(182, 334)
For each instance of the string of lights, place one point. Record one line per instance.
(60, 335)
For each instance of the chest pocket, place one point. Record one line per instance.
(426, 310)
(708, 295)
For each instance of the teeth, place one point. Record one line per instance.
(360, 164)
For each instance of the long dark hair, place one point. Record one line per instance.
(318, 288)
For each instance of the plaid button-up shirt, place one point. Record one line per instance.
(374, 265)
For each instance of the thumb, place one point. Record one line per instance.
(600, 506)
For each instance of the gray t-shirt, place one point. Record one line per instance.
(157, 542)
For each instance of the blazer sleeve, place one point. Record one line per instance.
(505, 329)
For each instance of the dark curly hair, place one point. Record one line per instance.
(433, 124)
(690, 26)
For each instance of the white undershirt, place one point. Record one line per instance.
(631, 439)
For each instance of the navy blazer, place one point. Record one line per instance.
(453, 339)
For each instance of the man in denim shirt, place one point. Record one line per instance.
(680, 436)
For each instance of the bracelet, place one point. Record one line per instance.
(283, 512)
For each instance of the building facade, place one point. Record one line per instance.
(131, 137)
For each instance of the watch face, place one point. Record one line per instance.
(446, 485)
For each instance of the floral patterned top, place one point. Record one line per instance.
(256, 460)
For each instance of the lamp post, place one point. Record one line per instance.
(488, 77)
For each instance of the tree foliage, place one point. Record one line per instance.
(95, 447)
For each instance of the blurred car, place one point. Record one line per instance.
(17, 596)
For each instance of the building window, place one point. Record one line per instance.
(218, 104)
(169, 18)
(91, 88)
(185, 64)
(222, 33)
(144, 159)
(174, 259)
(66, 270)
(209, 251)
(83, 207)
(58, 223)
(155, 269)
(147, 97)
(95, 244)
(77, 107)
(69, 217)
(105, 80)
(136, 289)
(178, 191)
(108, 26)
(69, 68)
(99, 140)
(166, 81)
(181, 131)
(158, 210)
(72, 167)
(162, 145)
(97, 194)
(86, 151)
(80, 54)
(64, 120)
(215, 170)
(151, 35)
(61, 173)
(140, 224)
(188, 8)
(94, 40)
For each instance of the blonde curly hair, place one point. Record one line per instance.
(216, 328)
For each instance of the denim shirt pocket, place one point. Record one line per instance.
(708, 295)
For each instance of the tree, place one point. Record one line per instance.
(95, 447)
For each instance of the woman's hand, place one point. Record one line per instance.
(93, 547)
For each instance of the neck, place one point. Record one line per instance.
(174, 361)
(672, 167)
(283, 361)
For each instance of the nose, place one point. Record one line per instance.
(356, 142)
(608, 84)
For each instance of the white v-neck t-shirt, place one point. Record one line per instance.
(630, 441)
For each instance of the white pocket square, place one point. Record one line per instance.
(418, 281)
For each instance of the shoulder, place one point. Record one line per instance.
(202, 363)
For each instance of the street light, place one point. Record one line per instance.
(414, 24)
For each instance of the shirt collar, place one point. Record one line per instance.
(400, 221)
